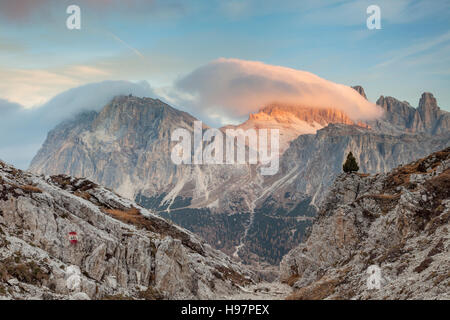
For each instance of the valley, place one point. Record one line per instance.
(257, 218)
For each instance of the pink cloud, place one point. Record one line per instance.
(21, 9)
(237, 88)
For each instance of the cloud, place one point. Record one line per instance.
(136, 51)
(33, 86)
(420, 47)
(235, 88)
(27, 11)
(20, 9)
(7, 107)
(23, 130)
(351, 13)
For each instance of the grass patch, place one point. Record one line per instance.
(156, 225)
(116, 297)
(316, 291)
(28, 272)
(292, 280)
(423, 265)
(151, 294)
(30, 189)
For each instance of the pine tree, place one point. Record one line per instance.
(350, 164)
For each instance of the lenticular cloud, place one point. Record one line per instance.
(237, 88)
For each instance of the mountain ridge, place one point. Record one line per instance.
(228, 205)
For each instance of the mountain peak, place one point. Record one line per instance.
(428, 109)
(360, 91)
(428, 102)
(293, 120)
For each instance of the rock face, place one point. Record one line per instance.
(128, 138)
(126, 147)
(293, 121)
(312, 162)
(360, 91)
(379, 237)
(68, 238)
(428, 117)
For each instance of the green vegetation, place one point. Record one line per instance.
(350, 164)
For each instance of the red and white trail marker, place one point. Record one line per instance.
(73, 237)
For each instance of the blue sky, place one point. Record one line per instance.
(161, 41)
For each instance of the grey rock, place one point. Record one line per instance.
(126, 147)
(121, 249)
(396, 232)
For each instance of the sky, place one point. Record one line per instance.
(166, 42)
(161, 40)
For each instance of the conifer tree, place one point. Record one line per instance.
(350, 164)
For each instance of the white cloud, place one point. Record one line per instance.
(234, 88)
(351, 13)
(23, 130)
(422, 46)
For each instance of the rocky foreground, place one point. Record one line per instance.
(379, 237)
(67, 238)
(383, 236)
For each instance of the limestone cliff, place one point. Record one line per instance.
(68, 238)
(382, 236)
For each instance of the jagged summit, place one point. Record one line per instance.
(427, 118)
(360, 91)
(293, 121)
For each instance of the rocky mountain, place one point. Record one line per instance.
(126, 146)
(129, 137)
(360, 91)
(312, 162)
(293, 121)
(68, 238)
(428, 117)
(382, 236)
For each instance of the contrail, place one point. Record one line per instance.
(126, 44)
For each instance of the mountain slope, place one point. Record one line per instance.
(379, 237)
(312, 162)
(122, 249)
(109, 146)
(126, 146)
